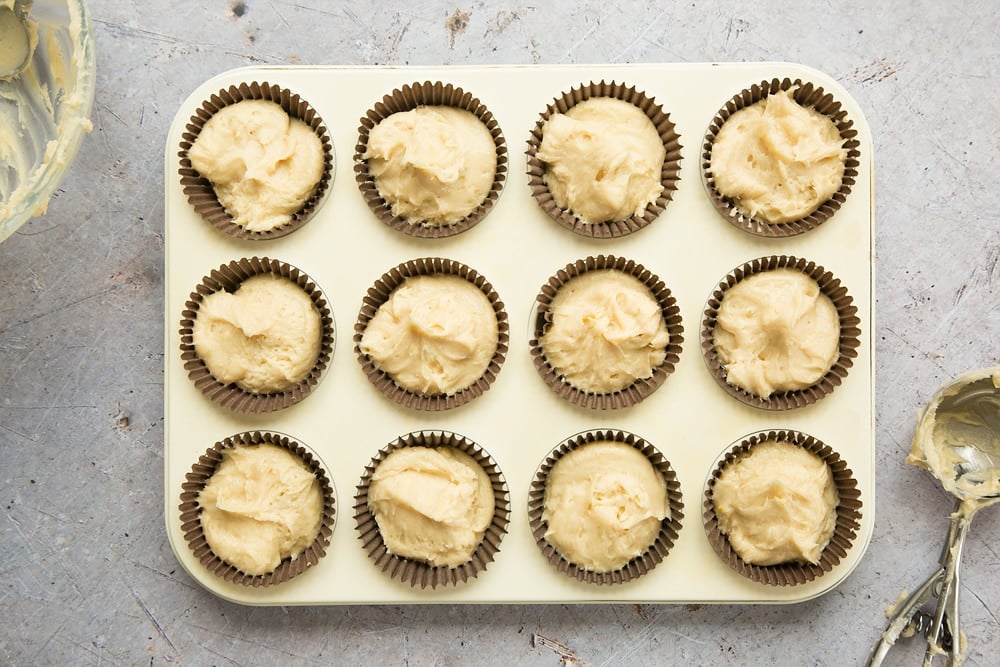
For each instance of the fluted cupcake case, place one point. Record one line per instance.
(849, 337)
(190, 510)
(417, 573)
(348, 247)
(669, 172)
(198, 189)
(228, 278)
(849, 510)
(408, 97)
(810, 96)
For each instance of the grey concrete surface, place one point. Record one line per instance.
(86, 574)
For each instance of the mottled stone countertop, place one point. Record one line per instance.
(88, 576)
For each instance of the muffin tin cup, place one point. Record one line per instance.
(199, 190)
(806, 95)
(407, 98)
(641, 564)
(190, 512)
(228, 277)
(640, 388)
(419, 574)
(850, 333)
(379, 294)
(670, 172)
(848, 514)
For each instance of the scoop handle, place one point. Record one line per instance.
(903, 616)
(941, 585)
(946, 616)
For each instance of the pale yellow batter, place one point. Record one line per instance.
(777, 160)
(432, 504)
(263, 164)
(265, 337)
(777, 504)
(776, 331)
(604, 503)
(604, 159)
(436, 334)
(607, 331)
(433, 164)
(261, 506)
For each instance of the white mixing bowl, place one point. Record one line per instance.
(45, 111)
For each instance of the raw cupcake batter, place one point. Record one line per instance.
(777, 160)
(776, 331)
(777, 504)
(604, 503)
(436, 334)
(261, 506)
(607, 331)
(432, 504)
(433, 165)
(262, 163)
(265, 337)
(603, 158)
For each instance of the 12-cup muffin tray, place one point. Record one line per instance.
(690, 419)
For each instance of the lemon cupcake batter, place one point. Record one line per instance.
(604, 159)
(778, 160)
(262, 163)
(607, 331)
(265, 337)
(433, 164)
(436, 334)
(776, 331)
(431, 504)
(777, 504)
(261, 506)
(604, 504)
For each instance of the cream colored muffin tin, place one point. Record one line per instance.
(690, 418)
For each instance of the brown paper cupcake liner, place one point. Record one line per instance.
(407, 98)
(641, 564)
(228, 277)
(670, 173)
(190, 510)
(379, 293)
(419, 574)
(850, 333)
(642, 387)
(806, 95)
(199, 190)
(845, 531)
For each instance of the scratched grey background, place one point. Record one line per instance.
(86, 574)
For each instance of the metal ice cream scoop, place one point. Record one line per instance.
(958, 441)
(17, 39)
